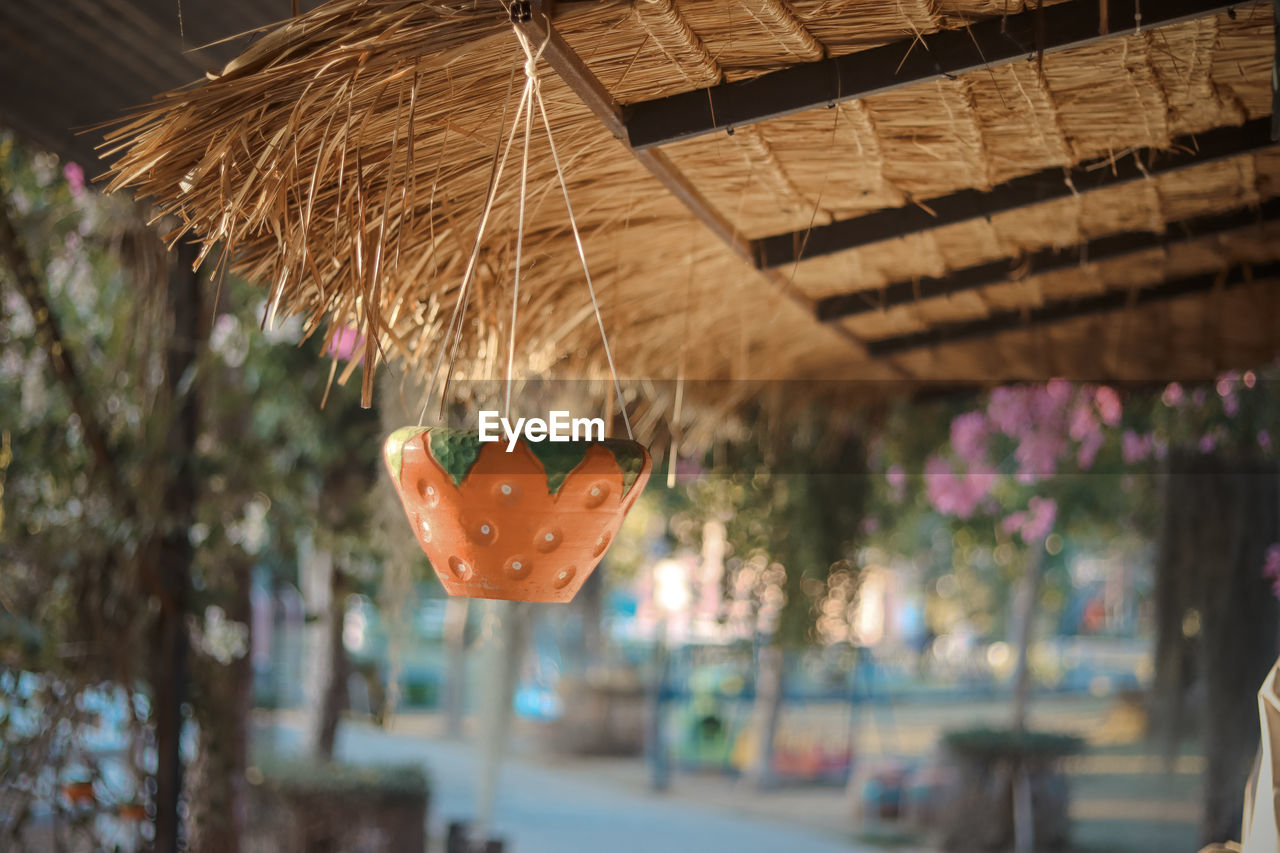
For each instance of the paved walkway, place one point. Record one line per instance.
(549, 807)
(1122, 797)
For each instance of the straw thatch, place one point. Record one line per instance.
(342, 162)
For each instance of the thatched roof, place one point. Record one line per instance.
(1089, 204)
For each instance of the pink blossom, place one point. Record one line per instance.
(1208, 442)
(1264, 439)
(346, 343)
(1040, 419)
(1088, 450)
(1035, 523)
(1271, 567)
(1271, 563)
(688, 468)
(1058, 390)
(939, 482)
(956, 494)
(1013, 522)
(1230, 404)
(1172, 395)
(1134, 447)
(978, 482)
(969, 437)
(1083, 423)
(1159, 447)
(1007, 410)
(1049, 403)
(1017, 411)
(1037, 455)
(1226, 382)
(1109, 407)
(1041, 513)
(75, 178)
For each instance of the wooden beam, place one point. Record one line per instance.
(1110, 247)
(1068, 309)
(946, 53)
(1047, 185)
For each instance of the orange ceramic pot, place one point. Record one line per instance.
(530, 524)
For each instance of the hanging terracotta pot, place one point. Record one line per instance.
(525, 525)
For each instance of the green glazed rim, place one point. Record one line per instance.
(456, 451)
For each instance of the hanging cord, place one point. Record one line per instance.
(466, 298)
(577, 237)
(531, 95)
(677, 431)
(532, 90)
(454, 332)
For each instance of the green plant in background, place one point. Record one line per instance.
(791, 507)
(86, 445)
(1190, 468)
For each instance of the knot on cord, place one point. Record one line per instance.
(531, 56)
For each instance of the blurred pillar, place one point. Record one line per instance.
(505, 635)
(590, 604)
(333, 683)
(219, 809)
(456, 611)
(1229, 612)
(1027, 598)
(655, 732)
(767, 712)
(316, 585)
(186, 332)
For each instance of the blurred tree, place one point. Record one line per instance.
(86, 543)
(1027, 460)
(1012, 469)
(791, 502)
(146, 473)
(1217, 617)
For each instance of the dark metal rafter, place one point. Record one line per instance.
(945, 53)
(1039, 187)
(1057, 27)
(1068, 309)
(1109, 247)
(573, 71)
